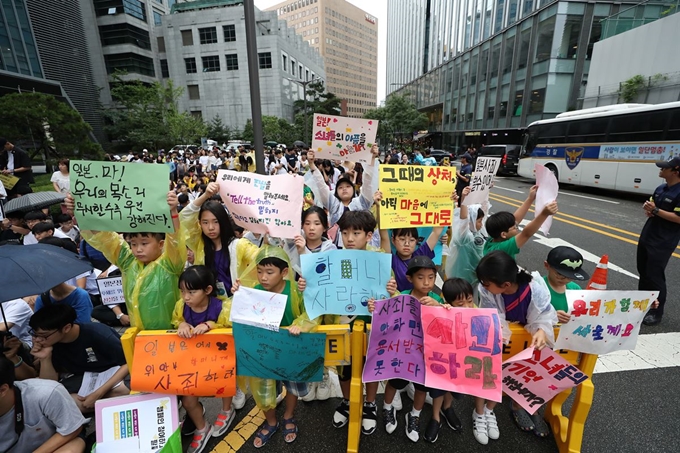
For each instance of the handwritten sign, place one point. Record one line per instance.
(279, 355)
(481, 180)
(8, 181)
(416, 196)
(463, 350)
(395, 347)
(113, 196)
(548, 188)
(536, 379)
(204, 365)
(342, 138)
(111, 290)
(341, 282)
(258, 308)
(263, 204)
(604, 321)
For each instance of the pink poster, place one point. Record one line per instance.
(536, 380)
(463, 351)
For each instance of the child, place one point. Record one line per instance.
(564, 266)
(519, 298)
(67, 227)
(197, 312)
(504, 231)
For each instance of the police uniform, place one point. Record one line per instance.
(658, 240)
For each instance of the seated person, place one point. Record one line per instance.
(17, 314)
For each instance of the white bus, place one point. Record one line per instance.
(611, 147)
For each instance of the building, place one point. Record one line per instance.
(202, 47)
(490, 68)
(347, 38)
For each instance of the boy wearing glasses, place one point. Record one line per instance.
(405, 241)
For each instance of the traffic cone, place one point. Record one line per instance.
(599, 278)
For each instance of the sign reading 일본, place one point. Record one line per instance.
(415, 196)
(342, 138)
(263, 204)
(481, 180)
(341, 282)
(111, 290)
(113, 196)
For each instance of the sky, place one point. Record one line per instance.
(377, 9)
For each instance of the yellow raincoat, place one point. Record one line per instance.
(222, 320)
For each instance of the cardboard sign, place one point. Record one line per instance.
(263, 204)
(533, 377)
(123, 197)
(482, 179)
(548, 188)
(341, 282)
(416, 196)
(111, 290)
(8, 181)
(604, 321)
(463, 351)
(279, 355)
(204, 365)
(342, 138)
(258, 308)
(395, 346)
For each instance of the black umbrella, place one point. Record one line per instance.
(271, 144)
(33, 201)
(299, 144)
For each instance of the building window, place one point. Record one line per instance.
(190, 64)
(158, 1)
(197, 114)
(211, 63)
(232, 62)
(229, 33)
(207, 35)
(187, 38)
(285, 63)
(161, 44)
(157, 18)
(130, 62)
(165, 72)
(293, 65)
(135, 8)
(265, 60)
(124, 34)
(194, 92)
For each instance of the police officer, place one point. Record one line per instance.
(660, 235)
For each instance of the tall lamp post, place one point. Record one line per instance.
(304, 84)
(254, 76)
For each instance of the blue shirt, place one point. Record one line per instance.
(78, 299)
(465, 170)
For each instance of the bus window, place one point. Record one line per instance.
(553, 133)
(592, 130)
(640, 127)
(674, 127)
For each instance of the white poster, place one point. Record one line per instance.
(482, 179)
(111, 290)
(258, 308)
(548, 189)
(342, 138)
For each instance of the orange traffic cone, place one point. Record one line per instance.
(599, 278)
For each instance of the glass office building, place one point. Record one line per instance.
(18, 51)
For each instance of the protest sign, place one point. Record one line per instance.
(548, 188)
(111, 290)
(258, 308)
(8, 181)
(342, 138)
(279, 355)
(341, 282)
(149, 416)
(113, 196)
(395, 346)
(533, 377)
(463, 351)
(604, 321)
(481, 180)
(200, 366)
(416, 196)
(263, 204)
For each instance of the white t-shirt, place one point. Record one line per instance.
(18, 312)
(62, 181)
(204, 161)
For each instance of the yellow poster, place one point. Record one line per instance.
(8, 181)
(416, 196)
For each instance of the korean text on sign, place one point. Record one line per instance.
(111, 290)
(338, 137)
(113, 196)
(204, 365)
(341, 282)
(463, 351)
(263, 204)
(481, 180)
(536, 380)
(395, 347)
(415, 196)
(604, 321)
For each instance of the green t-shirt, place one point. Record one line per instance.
(288, 316)
(435, 296)
(508, 246)
(559, 300)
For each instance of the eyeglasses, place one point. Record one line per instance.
(35, 334)
(405, 240)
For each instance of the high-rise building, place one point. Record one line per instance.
(347, 38)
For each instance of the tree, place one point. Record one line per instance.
(398, 118)
(56, 129)
(318, 101)
(248, 135)
(219, 131)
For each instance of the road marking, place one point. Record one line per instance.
(505, 188)
(240, 434)
(589, 198)
(660, 350)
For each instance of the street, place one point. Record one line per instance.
(634, 408)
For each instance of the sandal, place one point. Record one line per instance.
(286, 431)
(523, 419)
(271, 429)
(541, 428)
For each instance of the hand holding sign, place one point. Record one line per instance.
(548, 188)
(482, 180)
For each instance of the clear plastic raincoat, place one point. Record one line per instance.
(466, 246)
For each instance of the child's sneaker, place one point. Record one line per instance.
(311, 394)
(223, 422)
(323, 388)
(188, 425)
(369, 422)
(451, 418)
(479, 428)
(432, 431)
(412, 427)
(200, 440)
(396, 402)
(239, 400)
(341, 415)
(390, 418)
(491, 425)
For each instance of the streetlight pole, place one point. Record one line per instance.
(254, 76)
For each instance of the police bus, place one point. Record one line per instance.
(612, 147)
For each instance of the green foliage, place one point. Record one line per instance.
(399, 116)
(56, 129)
(247, 134)
(318, 101)
(219, 131)
(42, 183)
(631, 87)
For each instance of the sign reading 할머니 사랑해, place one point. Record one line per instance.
(342, 138)
(123, 197)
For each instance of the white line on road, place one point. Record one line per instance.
(510, 190)
(660, 350)
(589, 198)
